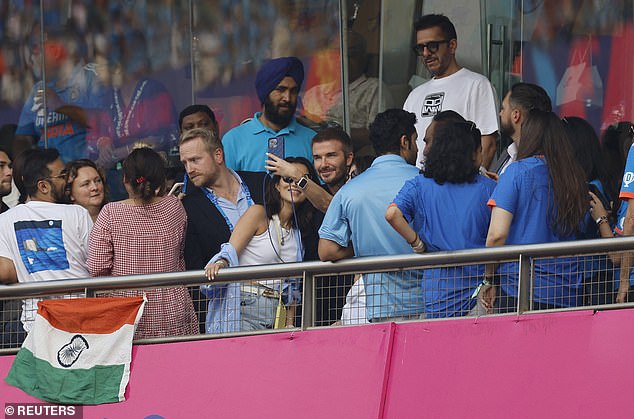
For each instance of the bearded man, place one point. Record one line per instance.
(277, 84)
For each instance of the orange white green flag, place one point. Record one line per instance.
(78, 351)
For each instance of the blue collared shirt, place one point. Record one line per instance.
(357, 214)
(246, 145)
(223, 309)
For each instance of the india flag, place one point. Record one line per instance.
(78, 351)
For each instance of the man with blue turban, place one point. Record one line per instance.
(277, 84)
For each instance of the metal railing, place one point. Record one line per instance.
(309, 270)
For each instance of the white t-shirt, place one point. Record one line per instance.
(468, 93)
(46, 241)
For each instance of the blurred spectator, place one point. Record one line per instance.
(42, 239)
(449, 188)
(277, 83)
(140, 111)
(216, 197)
(452, 87)
(540, 198)
(325, 102)
(86, 186)
(71, 89)
(276, 232)
(354, 224)
(158, 223)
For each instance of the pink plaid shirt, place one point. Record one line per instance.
(142, 239)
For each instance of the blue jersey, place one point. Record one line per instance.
(247, 144)
(448, 217)
(525, 191)
(84, 90)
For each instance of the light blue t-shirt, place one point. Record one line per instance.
(524, 190)
(448, 217)
(357, 214)
(247, 144)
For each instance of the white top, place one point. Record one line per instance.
(468, 93)
(276, 245)
(46, 241)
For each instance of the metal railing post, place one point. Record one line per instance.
(525, 284)
(308, 301)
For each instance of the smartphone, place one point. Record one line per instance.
(593, 188)
(276, 146)
(176, 189)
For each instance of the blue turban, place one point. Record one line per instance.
(272, 72)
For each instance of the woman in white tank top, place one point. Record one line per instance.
(267, 234)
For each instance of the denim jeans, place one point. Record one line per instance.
(256, 311)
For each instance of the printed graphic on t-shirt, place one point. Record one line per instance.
(432, 104)
(41, 245)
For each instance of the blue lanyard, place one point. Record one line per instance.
(214, 200)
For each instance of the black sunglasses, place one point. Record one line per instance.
(432, 46)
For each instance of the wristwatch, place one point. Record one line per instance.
(302, 183)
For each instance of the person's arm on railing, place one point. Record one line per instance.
(626, 263)
(8, 274)
(498, 232)
(332, 251)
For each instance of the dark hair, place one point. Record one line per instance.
(144, 171)
(333, 133)
(29, 167)
(273, 201)
(192, 109)
(387, 129)
(7, 135)
(432, 21)
(451, 154)
(529, 96)
(72, 168)
(544, 133)
(617, 140)
(585, 145)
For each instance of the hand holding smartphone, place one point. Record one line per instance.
(176, 189)
(276, 146)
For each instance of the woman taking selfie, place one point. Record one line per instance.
(276, 232)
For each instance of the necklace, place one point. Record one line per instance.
(281, 236)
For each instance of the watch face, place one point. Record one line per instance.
(302, 182)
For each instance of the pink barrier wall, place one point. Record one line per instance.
(576, 364)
